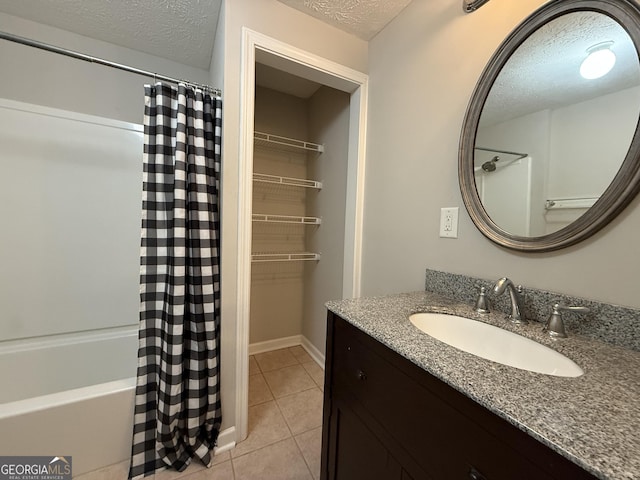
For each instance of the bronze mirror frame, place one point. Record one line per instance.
(625, 184)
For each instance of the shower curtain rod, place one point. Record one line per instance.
(88, 58)
(506, 152)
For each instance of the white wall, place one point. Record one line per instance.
(423, 68)
(216, 69)
(527, 134)
(329, 125)
(36, 76)
(576, 151)
(70, 195)
(98, 176)
(506, 195)
(589, 141)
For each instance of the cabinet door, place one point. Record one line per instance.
(428, 426)
(406, 476)
(357, 452)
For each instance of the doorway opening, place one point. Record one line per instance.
(312, 259)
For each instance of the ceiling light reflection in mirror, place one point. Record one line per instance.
(568, 135)
(599, 61)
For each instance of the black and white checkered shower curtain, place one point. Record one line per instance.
(177, 410)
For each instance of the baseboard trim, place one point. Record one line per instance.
(275, 344)
(286, 342)
(313, 352)
(226, 440)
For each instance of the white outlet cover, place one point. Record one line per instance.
(449, 222)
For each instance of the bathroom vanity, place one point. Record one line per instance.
(401, 405)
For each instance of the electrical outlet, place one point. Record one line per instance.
(449, 222)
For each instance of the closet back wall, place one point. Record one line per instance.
(277, 287)
(287, 299)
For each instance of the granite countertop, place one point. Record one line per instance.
(593, 420)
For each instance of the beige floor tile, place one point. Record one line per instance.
(301, 354)
(120, 471)
(253, 366)
(317, 373)
(266, 426)
(310, 444)
(267, 463)
(194, 467)
(275, 359)
(258, 390)
(302, 411)
(117, 471)
(221, 471)
(288, 380)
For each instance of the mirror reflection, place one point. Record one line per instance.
(550, 141)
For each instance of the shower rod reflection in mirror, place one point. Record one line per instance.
(472, 5)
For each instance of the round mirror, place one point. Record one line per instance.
(550, 146)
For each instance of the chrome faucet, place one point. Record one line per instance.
(515, 293)
(555, 326)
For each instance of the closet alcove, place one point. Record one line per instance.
(301, 141)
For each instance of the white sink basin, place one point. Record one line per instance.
(496, 344)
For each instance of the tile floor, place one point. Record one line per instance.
(285, 424)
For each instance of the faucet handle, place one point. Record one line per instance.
(555, 325)
(482, 302)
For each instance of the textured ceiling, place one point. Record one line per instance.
(363, 18)
(544, 71)
(179, 30)
(184, 30)
(541, 74)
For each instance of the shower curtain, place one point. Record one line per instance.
(177, 409)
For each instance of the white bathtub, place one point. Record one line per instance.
(69, 395)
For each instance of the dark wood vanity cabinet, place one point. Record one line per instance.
(386, 418)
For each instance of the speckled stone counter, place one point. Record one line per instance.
(593, 420)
